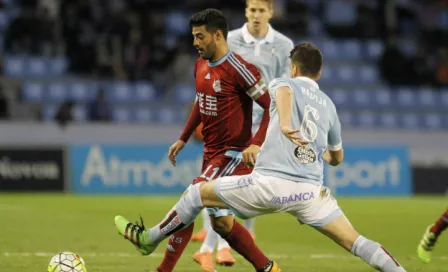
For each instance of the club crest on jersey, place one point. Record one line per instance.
(217, 85)
(273, 51)
(305, 154)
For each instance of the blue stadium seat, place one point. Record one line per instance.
(4, 20)
(315, 26)
(33, 91)
(327, 76)
(119, 91)
(177, 22)
(367, 73)
(185, 93)
(405, 97)
(34, 66)
(340, 12)
(350, 49)
(121, 114)
(346, 73)
(340, 98)
(346, 118)
(57, 92)
(37, 66)
(361, 98)
(167, 115)
(433, 121)
(80, 113)
(443, 98)
(410, 120)
(373, 49)
(14, 66)
(367, 119)
(57, 66)
(144, 92)
(388, 119)
(382, 98)
(48, 112)
(143, 115)
(329, 49)
(82, 92)
(427, 98)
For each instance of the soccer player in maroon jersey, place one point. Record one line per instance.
(226, 86)
(432, 233)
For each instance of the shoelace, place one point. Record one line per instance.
(136, 231)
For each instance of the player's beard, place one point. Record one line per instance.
(209, 51)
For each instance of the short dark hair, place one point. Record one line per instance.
(308, 57)
(213, 20)
(269, 2)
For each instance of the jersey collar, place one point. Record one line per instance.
(211, 64)
(310, 81)
(248, 38)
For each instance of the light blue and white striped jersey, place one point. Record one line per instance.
(270, 55)
(315, 115)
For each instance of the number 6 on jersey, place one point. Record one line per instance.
(308, 127)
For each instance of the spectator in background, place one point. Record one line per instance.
(64, 114)
(99, 109)
(442, 67)
(393, 64)
(4, 110)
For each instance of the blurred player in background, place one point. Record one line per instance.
(288, 175)
(226, 87)
(259, 44)
(430, 237)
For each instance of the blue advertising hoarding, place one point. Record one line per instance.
(371, 170)
(134, 169)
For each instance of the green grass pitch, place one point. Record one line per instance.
(33, 227)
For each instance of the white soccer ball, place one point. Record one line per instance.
(67, 262)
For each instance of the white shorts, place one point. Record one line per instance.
(255, 194)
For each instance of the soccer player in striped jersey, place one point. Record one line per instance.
(259, 44)
(430, 237)
(226, 86)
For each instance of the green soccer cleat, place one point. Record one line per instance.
(424, 249)
(135, 233)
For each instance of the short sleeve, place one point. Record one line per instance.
(334, 134)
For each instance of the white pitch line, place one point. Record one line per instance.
(158, 255)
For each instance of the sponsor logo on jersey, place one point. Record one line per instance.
(292, 198)
(208, 104)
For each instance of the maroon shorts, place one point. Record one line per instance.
(229, 163)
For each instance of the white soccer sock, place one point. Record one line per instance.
(181, 215)
(250, 224)
(375, 255)
(206, 224)
(210, 241)
(222, 243)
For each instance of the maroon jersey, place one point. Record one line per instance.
(225, 92)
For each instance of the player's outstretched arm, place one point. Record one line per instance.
(283, 97)
(193, 122)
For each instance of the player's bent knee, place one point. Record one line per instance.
(222, 225)
(209, 197)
